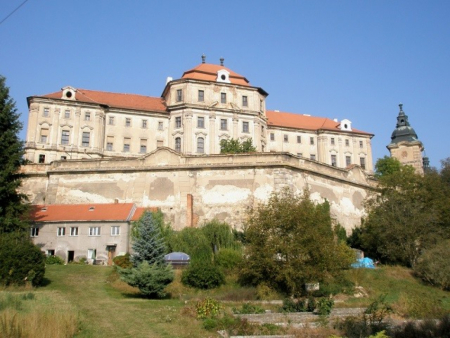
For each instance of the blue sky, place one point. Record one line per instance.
(337, 59)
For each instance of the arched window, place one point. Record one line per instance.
(178, 144)
(200, 145)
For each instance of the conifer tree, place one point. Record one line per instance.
(12, 203)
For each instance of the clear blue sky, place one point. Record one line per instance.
(337, 59)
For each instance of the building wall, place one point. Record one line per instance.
(409, 153)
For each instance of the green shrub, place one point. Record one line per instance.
(208, 308)
(434, 266)
(202, 275)
(123, 261)
(324, 306)
(291, 305)
(54, 260)
(248, 308)
(228, 258)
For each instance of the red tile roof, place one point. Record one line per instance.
(82, 212)
(298, 121)
(116, 100)
(208, 72)
(139, 211)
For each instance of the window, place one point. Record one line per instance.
(311, 140)
(312, 157)
(300, 154)
(41, 158)
(127, 122)
(92, 254)
(361, 144)
(178, 144)
(178, 122)
(109, 143)
(34, 232)
(44, 135)
(285, 138)
(333, 160)
(61, 231)
(299, 139)
(65, 137)
(223, 97)
(73, 231)
(348, 160)
(46, 112)
(272, 136)
(347, 143)
(200, 145)
(87, 116)
(245, 127)
(50, 252)
(94, 231)
(115, 230)
(111, 120)
(159, 143)
(143, 148)
(244, 101)
(223, 124)
(179, 95)
(332, 141)
(200, 122)
(362, 162)
(126, 144)
(160, 125)
(144, 123)
(201, 96)
(85, 139)
(63, 158)
(67, 114)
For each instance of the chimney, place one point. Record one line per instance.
(116, 201)
(221, 61)
(203, 58)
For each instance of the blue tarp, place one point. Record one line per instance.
(365, 262)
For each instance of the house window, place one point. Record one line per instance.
(361, 144)
(179, 95)
(87, 116)
(348, 160)
(144, 123)
(34, 232)
(46, 112)
(159, 143)
(223, 97)
(244, 101)
(285, 138)
(109, 143)
(347, 143)
(201, 96)
(200, 145)
(126, 144)
(299, 139)
(223, 124)
(311, 140)
(92, 254)
(65, 137)
(67, 114)
(115, 230)
(111, 120)
(143, 148)
(312, 157)
(160, 125)
(362, 162)
(127, 122)
(200, 122)
(73, 231)
(94, 231)
(178, 122)
(44, 135)
(332, 141)
(50, 252)
(63, 158)
(245, 127)
(178, 144)
(333, 160)
(61, 231)
(42, 158)
(85, 139)
(272, 136)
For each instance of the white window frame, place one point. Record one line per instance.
(115, 230)
(73, 231)
(200, 122)
(34, 231)
(245, 127)
(94, 231)
(61, 231)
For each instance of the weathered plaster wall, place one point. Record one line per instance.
(222, 186)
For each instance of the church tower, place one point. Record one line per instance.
(405, 146)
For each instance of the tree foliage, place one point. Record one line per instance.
(234, 146)
(12, 203)
(291, 242)
(433, 265)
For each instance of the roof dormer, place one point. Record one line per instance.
(223, 76)
(346, 125)
(68, 93)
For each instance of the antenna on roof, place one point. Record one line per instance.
(203, 58)
(221, 61)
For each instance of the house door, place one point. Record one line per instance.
(111, 253)
(70, 256)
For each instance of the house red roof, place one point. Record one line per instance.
(82, 212)
(298, 121)
(208, 72)
(139, 211)
(116, 100)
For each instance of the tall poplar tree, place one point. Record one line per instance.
(12, 203)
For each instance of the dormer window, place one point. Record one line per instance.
(68, 93)
(223, 76)
(346, 125)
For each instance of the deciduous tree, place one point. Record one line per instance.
(234, 146)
